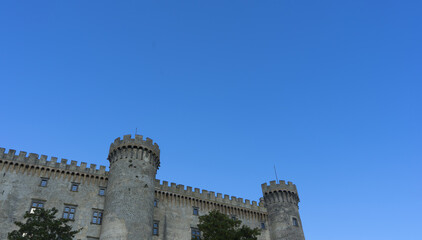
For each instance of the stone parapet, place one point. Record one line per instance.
(206, 195)
(36, 159)
(135, 148)
(281, 186)
(280, 192)
(138, 141)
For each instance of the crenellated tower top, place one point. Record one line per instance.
(281, 186)
(280, 192)
(139, 144)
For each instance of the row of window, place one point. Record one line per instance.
(74, 187)
(195, 233)
(69, 212)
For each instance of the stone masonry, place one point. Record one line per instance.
(128, 202)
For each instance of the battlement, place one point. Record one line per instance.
(138, 141)
(35, 159)
(281, 186)
(208, 195)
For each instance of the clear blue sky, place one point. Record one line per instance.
(328, 91)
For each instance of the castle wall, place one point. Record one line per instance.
(174, 210)
(130, 194)
(20, 185)
(20, 178)
(281, 201)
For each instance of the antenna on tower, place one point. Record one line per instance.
(275, 171)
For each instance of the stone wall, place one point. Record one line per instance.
(21, 175)
(176, 218)
(20, 185)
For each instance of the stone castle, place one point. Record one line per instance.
(128, 202)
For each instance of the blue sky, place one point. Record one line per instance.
(328, 91)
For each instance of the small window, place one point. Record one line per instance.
(36, 204)
(155, 228)
(155, 202)
(69, 212)
(75, 187)
(44, 182)
(97, 217)
(233, 217)
(196, 234)
(195, 211)
(102, 192)
(295, 223)
(262, 225)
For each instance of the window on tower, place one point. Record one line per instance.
(155, 228)
(295, 222)
(102, 192)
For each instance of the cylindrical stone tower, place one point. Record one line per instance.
(129, 203)
(281, 201)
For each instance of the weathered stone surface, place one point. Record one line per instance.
(129, 206)
(281, 201)
(131, 189)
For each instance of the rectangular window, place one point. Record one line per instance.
(35, 205)
(155, 228)
(233, 217)
(195, 211)
(102, 192)
(155, 202)
(97, 217)
(69, 212)
(295, 223)
(262, 225)
(44, 182)
(196, 234)
(74, 187)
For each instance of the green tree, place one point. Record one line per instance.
(42, 225)
(219, 226)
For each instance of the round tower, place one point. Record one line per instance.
(281, 201)
(129, 203)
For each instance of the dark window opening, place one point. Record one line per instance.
(44, 182)
(97, 217)
(69, 212)
(102, 192)
(36, 204)
(74, 187)
(155, 228)
(295, 223)
(196, 234)
(195, 211)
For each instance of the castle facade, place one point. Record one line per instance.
(128, 202)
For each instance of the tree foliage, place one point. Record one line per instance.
(218, 226)
(42, 225)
